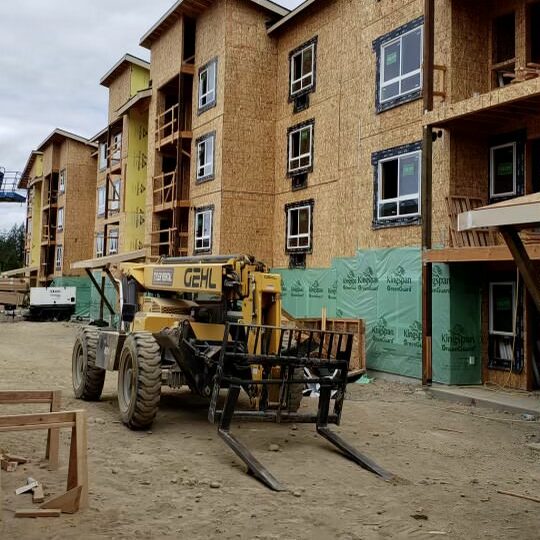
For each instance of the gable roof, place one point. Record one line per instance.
(126, 60)
(291, 15)
(59, 134)
(192, 8)
(25, 175)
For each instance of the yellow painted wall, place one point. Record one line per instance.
(140, 77)
(135, 182)
(36, 225)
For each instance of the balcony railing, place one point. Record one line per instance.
(457, 204)
(114, 155)
(168, 125)
(164, 190)
(170, 242)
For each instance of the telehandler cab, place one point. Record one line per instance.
(213, 323)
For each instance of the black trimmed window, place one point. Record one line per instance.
(203, 228)
(207, 86)
(505, 324)
(205, 157)
(397, 186)
(62, 181)
(58, 257)
(302, 69)
(299, 227)
(300, 148)
(507, 166)
(399, 65)
(60, 219)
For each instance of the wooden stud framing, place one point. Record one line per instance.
(76, 420)
(54, 398)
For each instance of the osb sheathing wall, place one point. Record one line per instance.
(79, 203)
(119, 92)
(347, 128)
(209, 44)
(248, 146)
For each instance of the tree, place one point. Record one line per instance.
(12, 248)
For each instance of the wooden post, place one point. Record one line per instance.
(78, 467)
(429, 53)
(427, 268)
(53, 436)
(525, 266)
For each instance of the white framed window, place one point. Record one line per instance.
(62, 181)
(60, 219)
(205, 157)
(400, 65)
(101, 198)
(302, 66)
(114, 200)
(502, 170)
(113, 242)
(207, 85)
(100, 244)
(300, 148)
(116, 150)
(299, 227)
(502, 308)
(27, 258)
(59, 255)
(203, 229)
(102, 156)
(398, 193)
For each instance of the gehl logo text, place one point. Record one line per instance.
(199, 278)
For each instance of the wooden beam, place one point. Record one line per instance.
(525, 266)
(101, 293)
(35, 513)
(14, 397)
(429, 53)
(476, 254)
(16, 422)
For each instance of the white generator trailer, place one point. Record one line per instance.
(48, 303)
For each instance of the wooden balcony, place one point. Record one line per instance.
(477, 245)
(169, 242)
(47, 235)
(168, 194)
(169, 129)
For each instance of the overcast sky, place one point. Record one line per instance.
(52, 56)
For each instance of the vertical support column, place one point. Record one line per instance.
(427, 189)
(78, 466)
(429, 53)
(53, 436)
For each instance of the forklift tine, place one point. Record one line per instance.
(255, 466)
(353, 454)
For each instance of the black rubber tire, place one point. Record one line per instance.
(87, 379)
(138, 397)
(296, 391)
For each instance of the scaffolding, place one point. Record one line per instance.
(9, 192)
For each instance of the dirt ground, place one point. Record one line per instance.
(449, 462)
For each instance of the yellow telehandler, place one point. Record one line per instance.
(214, 323)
